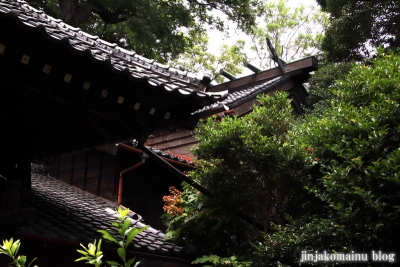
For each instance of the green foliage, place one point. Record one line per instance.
(10, 249)
(311, 233)
(294, 32)
(251, 167)
(334, 174)
(357, 25)
(93, 254)
(199, 59)
(355, 150)
(220, 262)
(357, 141)
(321, 83)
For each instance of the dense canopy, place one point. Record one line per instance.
(328, 181)
(356, 25)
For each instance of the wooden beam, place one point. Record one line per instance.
(299, 67)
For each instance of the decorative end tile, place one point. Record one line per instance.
(46, 69)
(67, 78)
(104, 93)
(121, 100)
(86, 85)
(25, 59)
(2, 48)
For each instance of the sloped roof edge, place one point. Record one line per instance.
(235, 99)
(66, 213)
(119, 60)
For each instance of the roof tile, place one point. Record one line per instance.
(97, 49)
(235, 99)
(64, 212)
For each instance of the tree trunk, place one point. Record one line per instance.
(74, 14)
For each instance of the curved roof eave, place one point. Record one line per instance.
(119, 60)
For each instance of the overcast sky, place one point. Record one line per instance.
(216, 39)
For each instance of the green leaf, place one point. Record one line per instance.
(7, 244)
(171, 235)
(106, 235)
(32, 261)
(82, 252)
(83, 258)
(113, 263)
(122, 213)
(211, 258)
(15, 247)
(130, 236)
(125, 225)
(99, 245)
(21, 260)
(122, 254)
(92, 248)
(130, 262)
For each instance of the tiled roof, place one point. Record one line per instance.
(169, 155)
(118, 59)
(239, 97)
(66, 213)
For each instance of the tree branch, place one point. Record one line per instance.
(107, 16)
(76, 14)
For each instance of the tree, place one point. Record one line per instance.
(320, 83)
(156, 29)
(333, 175)
(357, 140)
(199, 59)
(354, 143)
(250, 167)
(357, 25)
(295, 32)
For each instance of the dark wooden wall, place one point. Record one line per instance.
(177, 141)
(98, 172)
(144, 189)
(145, 186)
(92, 171)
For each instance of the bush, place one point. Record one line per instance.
(328, 181)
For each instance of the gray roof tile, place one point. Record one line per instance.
(237, 98)
(118, 59)
(66, 213)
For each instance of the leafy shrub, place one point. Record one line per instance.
(93, 254)
(328, 181)
(11, 249)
